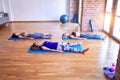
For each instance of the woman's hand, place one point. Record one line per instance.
(31, 38)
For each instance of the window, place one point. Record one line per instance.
(108, 15)
(116, 30)
(112, 13)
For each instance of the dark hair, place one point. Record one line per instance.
(35, 47)
(74, 34)
(14, 35)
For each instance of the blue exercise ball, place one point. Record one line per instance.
(64, 18)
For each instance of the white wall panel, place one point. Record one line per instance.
(1, 6)
(37, 10)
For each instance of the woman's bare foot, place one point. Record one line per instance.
(85, 50)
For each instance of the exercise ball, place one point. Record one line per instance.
(64, 19)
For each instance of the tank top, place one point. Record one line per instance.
(51, 45)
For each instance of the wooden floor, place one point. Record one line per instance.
(17, 64)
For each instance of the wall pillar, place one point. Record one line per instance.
(117, 71)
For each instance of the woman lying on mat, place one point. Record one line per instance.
(58, 47)
(31, 35)
(76, 35)
(73, 35)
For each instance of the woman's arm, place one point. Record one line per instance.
(54, 50)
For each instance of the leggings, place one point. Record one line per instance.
(92, 36)
(69, 47)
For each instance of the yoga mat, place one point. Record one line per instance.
(91, 25)
(10, 38)
(64, 38)
(45, 51)
(86, 36)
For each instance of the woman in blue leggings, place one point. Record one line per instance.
(58, 47)
(31, 35)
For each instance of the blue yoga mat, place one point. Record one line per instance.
(46, 51)
(24, 38)
(64, 38)
(87, 36)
